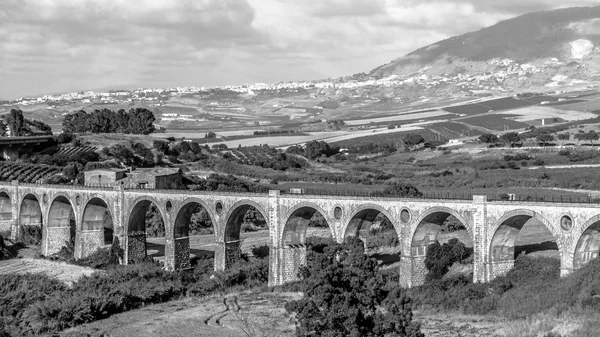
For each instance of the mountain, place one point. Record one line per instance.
(543, 49)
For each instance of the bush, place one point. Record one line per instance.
(260, 252)
(344, 295)
(538, 162)
(439, 258)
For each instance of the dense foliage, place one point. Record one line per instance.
(31, 305)
(440, 257)
(18, 125)
(344, 294)
(136, 121)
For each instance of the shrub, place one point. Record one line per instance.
(439, 258)
(538, 162)
(344, 294)
(260, 252)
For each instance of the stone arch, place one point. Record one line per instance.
(5, 206)
(62, 198)
(30, 220)
(366, 212)
(424, 231)
(295, 233)
(184, 207)
(136, 227)
(181, 234)
(228, 250)
(587, 246)
(234, 213)
(504, 236)
(289, 252)
(95, 216)
(61, 224)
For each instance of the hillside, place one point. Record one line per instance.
(545, 49)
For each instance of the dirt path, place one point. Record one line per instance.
(244, 314)
(59, 270)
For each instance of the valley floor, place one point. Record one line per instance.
(263, 314)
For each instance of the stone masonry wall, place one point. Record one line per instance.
(89, 242)
(500, 268)
(418, 271)
(137, 247)
(55, 239)
(232, 252)
(6, 226)
(182, 253)
(293, 259)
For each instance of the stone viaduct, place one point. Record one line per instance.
(78, 213)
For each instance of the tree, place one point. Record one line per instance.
(511, 138)
(563, 136)
(161, 146)
(545, 138)
(15, 122)
(590, 136)
(314, 149)
(412, 139)
(488, 138)
(344, 296)
(439, 257)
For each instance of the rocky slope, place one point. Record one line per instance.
(537, 51)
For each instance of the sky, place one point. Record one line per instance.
(56, 46)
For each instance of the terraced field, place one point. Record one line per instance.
(70, 150)
(27, 173)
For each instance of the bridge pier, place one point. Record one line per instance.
(178, 257)
(54, 238)
(136, 247)
(285, 263)
(87, 242)
(412, 271)
(226, 253)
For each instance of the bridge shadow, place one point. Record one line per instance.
(536, 247)
(157, 250)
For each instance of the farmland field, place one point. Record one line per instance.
(402, 117)
(428, 135)
(540, 99)
(590, 105)
(540, 112)
(454, 130)
(506, 103)
(494, 122)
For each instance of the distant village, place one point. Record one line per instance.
(492, 81)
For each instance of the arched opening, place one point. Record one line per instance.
(62, 226)
(377, 232)
(443, 229)
(5, 207)
(145, 233)
(247, 224)
(588, 246)
(523, 232)
(193, 231)
(304, 223)
(30, 221)
(97, 217)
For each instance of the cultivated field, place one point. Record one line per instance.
(546, 112)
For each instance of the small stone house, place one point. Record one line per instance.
(103, 177)
(150, 178)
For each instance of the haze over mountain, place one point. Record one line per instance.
(562, 42)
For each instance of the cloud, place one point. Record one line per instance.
(67, 45)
